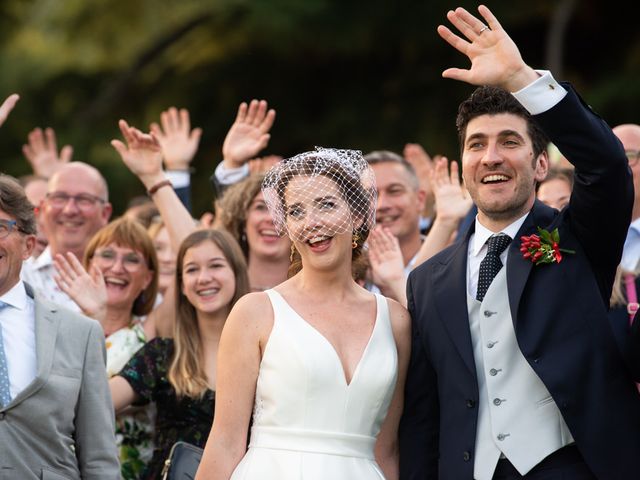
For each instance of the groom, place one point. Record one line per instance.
(515, 372)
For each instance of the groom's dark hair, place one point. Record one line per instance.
(489, 100)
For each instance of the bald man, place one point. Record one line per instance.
(75, 207)
(629, 135)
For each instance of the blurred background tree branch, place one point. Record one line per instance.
(348, 73)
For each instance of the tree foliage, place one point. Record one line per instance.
(339, 73)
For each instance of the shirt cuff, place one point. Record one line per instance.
(227, 176)
(179, 178)
(542, 94)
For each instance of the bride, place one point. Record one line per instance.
(316, 364)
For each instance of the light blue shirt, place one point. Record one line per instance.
(631, 252)
(19, 336)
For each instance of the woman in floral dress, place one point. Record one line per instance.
(120, 292)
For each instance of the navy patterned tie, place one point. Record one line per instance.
(5, 393)
(491, 264)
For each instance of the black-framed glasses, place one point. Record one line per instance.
(633, 156)
(107, 258)
(7, 226)
(84, 201)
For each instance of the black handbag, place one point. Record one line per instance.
(182, 463)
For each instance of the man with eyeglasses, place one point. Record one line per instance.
(56, 415)
(629, 135)
(75, 207)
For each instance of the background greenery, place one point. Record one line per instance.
(342, 73)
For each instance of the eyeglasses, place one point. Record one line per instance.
(633, 156)
(7, 226)
(83, 201)
(107, 258)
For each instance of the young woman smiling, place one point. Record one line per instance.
(179, 374)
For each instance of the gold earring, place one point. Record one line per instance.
(293, 252)
(354, 240)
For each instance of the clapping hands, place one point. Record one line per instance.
(87, 289)
(452, 199)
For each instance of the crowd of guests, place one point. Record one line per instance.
(161, 284)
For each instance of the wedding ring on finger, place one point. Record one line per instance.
(485, 27)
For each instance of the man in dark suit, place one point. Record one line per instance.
(515, 372)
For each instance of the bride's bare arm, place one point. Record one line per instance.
(387, 447)
(243, 338)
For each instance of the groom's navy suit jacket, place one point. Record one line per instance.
(559, 312)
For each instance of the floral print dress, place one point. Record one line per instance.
(186, 419)
(134, 427)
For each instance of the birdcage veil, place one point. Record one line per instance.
(324, 192)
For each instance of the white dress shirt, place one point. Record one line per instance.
(19, 337)
(478, 250)
(542, 94)
(179, 178)
(229, 176)
(631, 252)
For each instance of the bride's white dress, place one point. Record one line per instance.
(308, 423)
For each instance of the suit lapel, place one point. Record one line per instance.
(450, 282)
(519, 268)
(46, 323)
(450, 296)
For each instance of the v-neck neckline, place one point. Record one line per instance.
(332, 347)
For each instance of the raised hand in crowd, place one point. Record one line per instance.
(423, 164)
(249, 133)
(7, 106)
(452, 203)
(495, 58)
(142, 154)
(387, 264)
(41, 152)
(178, 141)
(87, 289)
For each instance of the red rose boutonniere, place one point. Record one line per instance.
(543, 248)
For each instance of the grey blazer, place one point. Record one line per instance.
(61, 426)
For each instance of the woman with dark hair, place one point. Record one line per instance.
(244, 214)
(179, 374)
(319, 360)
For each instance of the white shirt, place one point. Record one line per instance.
(229, 176)
(39, 273)
(19, 337)
(478, 250)
(542, 94)
(631, 251)
(179, 178)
